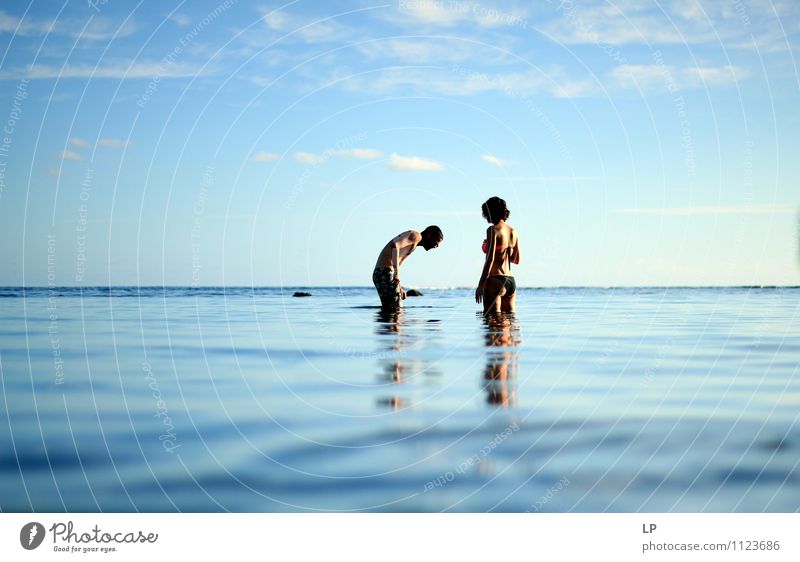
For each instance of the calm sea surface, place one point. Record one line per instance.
(587, 400)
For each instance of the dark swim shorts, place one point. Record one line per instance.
(383, 279)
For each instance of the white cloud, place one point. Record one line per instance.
(761, 209)
(277, 20)
(570, 89)
(676, 22)
(99, 28)
(102, 29)
(446, 13)
(79, 143)
(69, 155)
(309, 158)
(672, 78)
(105, 143)
(262, 156)
(415, 163)
(121, 69)
(460, 81)
(644, 76)
(430, 50)
(716, 75)
(688, 9)
(284, 30)
(112, 143)
(361, 153)
(28, 26)
(181, 20)
(431, 12)
(309, 30)
(437, 82)
(494, 160)
(642, 23)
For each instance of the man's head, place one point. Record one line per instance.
(431, 237)
(495, 210)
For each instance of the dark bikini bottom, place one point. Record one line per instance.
(508, 282)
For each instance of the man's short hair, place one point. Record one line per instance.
(433, 230)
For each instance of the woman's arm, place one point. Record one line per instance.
(487, 264)
(515, 250)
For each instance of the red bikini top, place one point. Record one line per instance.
(485, 246)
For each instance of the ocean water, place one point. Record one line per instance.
(250, 400)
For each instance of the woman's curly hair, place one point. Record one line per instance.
(495, 210)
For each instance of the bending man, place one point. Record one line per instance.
(386, 275)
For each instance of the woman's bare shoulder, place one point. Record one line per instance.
(513, 234)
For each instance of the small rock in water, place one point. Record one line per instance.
(301, 294)
(777, 444)
(413, 293)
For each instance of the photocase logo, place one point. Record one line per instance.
(31, 535)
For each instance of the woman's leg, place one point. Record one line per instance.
(492, 295)
(509, 304)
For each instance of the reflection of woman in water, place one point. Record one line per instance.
(497, 287)
(502, 334)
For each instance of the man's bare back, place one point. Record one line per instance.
(405, 243)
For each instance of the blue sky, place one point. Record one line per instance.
(248, 143)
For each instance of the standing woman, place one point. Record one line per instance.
(497, 288)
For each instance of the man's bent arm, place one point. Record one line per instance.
(396, 260)
(408, 238)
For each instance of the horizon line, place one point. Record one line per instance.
(748, 286)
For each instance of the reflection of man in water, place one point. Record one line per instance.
(389, 323)
(386, 275)
(501, 361)
(394, 338)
